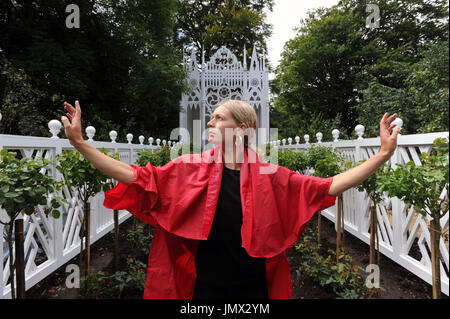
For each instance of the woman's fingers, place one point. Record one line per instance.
(77, 109)
(386, 121)
(69, 107)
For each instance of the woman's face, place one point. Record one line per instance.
(221, 119)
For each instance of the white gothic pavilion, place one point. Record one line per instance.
(222, 78)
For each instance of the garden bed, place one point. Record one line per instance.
(398, 283)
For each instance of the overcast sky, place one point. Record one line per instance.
(285, 17)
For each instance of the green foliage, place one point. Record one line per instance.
(325, 160)
(230, 23)
(343, 277)
(20, 101)
(79, 174)
(132, 279)
(421, 186)
(122, 63)
(336, 66)
(23, 186)
(428, 88)
(163, 155)
(371, 185)
(101, 284)
(417, 92)
(159, 158)
(295, 161)
(141, 239)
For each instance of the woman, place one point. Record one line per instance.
(223, 219)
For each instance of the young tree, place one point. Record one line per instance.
(84, 179)
(327, 163)
(372, 188)
(24, 184)
(423, 188)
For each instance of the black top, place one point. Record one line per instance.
(221, 260)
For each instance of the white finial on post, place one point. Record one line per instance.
(306, 137)
(283, 141)
(290, 140)
(55, 127)
(164, 142)
(158, 141)
(113, 136)
(90, 132)
(297, 139)
(359, 131)
(335, 134)
(319, 136)
(129, 138)
(141, 139)
(150, 140)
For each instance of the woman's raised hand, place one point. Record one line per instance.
(388, 140)
(72, 128)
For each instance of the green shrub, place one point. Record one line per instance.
(343, 277)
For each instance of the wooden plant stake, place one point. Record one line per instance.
(116, 240)
(20, 267)
(435, 237)
(318, 226)
(340, 225)
(87, 211)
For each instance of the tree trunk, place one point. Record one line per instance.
(339, 227)
(373, 232)
(435, 236)
(11, 265)
(20, 266)
(87, 211)
(318, 226)
(81, 261)
(116, 240)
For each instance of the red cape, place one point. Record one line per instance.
(180, 200)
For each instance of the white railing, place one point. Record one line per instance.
(50, 243)
(403, 233)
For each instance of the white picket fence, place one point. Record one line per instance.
(403, 233)
(50, 243)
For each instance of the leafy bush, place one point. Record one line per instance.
(141, 238)
(343, 277)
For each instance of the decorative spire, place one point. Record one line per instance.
(255, 63)
(245, 57)
(264, 60)
(203, 58)
(193, 62)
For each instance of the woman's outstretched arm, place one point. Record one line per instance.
(107, 165)
(356, 175)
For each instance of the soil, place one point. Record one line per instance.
(398, 283)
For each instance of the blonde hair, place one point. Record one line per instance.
(243, 113)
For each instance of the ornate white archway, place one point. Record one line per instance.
(224, 77)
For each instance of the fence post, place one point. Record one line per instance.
(359, 205)
(58, 244)
(397, 220)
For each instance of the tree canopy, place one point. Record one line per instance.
(338, 71)
(122, 64)
(210, 24)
